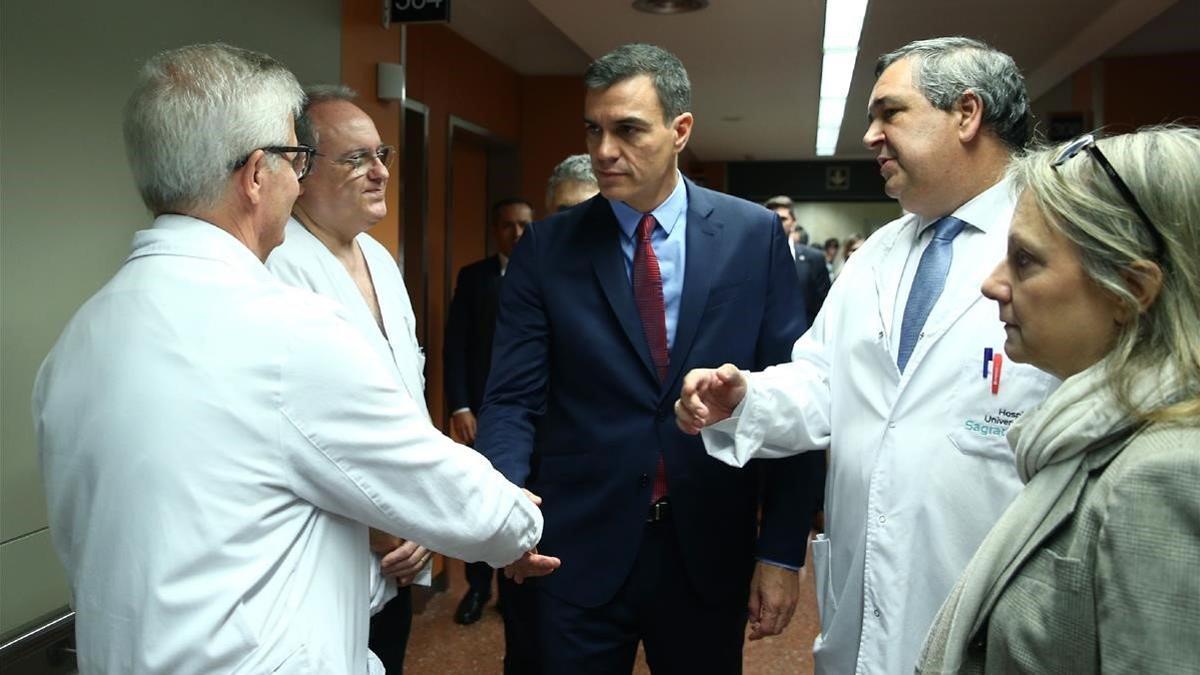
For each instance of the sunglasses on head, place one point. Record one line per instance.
(1088, 142)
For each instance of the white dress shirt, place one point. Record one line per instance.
(215, 443)
(920, 469)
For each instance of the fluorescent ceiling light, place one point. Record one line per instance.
(827, 139)
(837, 69)
(843, 23)
(843, 29)
(830, 112)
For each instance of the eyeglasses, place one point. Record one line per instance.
(362, 161)
(1088, 142)
(301, 161)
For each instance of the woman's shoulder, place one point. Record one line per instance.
(1159, 446)
(1158, 470)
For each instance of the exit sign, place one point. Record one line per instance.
(418, 11)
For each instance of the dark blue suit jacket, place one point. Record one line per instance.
(470, 325)
(575, 411)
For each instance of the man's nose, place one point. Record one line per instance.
(873, 135)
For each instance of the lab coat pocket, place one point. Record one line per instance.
(296, 663)
(826, 602)
(983, 409)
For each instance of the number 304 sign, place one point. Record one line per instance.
(416, 11)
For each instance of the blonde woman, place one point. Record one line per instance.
(1096, 565)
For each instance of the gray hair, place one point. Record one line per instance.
(669, 76)
(306, 132)
(1161, 166)
(577, 168)
(195, 112)
(947, 67)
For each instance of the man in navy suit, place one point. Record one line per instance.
(468, 356)
(604, 307)
(810, 261)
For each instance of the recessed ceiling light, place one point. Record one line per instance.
(669, 6)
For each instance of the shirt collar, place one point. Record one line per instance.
(980, 211)
(173, 234)
(668, 213)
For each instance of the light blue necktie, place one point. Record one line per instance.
(927, 284)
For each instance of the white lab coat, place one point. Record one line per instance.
(304, 262)
(920, 469)
(214, 444)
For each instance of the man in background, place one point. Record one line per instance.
(468, 358)
(832, 245)
(571, 183)
(810, 263)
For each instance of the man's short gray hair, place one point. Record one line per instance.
(577, 168)
(945, 68)
(197, 111)
(306, 132)
(664, 68)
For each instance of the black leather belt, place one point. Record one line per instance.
(659, 511)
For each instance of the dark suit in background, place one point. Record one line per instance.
(469, 330)
(576, 412)
(468, 356)
(814, 278)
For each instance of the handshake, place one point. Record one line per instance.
(403, 560)
(531, 564)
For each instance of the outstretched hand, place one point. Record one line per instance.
(532, 563)
(708, 396)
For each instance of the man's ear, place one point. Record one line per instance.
(682, 126)
(970, 116)
(252, 175)
(1144, 280)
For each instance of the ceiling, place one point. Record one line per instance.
(755, 64)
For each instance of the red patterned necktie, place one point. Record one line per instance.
(648, 295)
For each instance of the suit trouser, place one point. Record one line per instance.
(479, 577)
(657, 605)
(389, 631)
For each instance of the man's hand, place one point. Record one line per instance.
(404, 562)
(532, 564)
(774, 591)
(708, 396)
(462, 427)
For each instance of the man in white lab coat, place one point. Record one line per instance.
(327, 250)
(215, 443)
(898, 376)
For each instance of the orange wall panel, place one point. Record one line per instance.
(454, 77)
(551, 130)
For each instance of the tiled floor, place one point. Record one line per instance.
(438, 646)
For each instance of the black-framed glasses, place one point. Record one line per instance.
(362, 161)
(1088, 142)
(301, 157)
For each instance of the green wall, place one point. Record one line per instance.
(68, 206)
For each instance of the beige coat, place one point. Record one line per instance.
(1111, 581)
